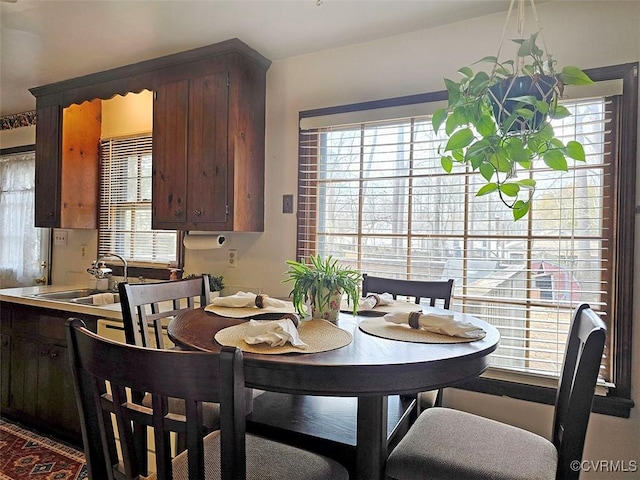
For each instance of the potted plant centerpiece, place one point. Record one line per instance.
(321, 283)
(500, 121)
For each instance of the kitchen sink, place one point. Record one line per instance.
(67, 294)
(89, 300)
(82, 295)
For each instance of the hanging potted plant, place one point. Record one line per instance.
(499, 122)
(321, 284)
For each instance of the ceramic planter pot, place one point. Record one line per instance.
(327, 307)
(502, 97)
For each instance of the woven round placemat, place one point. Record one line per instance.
(319, 335)
(246, 312)
(379, 327)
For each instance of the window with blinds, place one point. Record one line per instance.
(374, 195)
(125, 204)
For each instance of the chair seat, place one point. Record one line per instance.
(266, 460)
(446, 444)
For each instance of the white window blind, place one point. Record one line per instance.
(125, 204)
(374, 196)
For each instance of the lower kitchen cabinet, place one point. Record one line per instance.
(37, 384)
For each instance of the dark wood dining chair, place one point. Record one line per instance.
(437, 292)
(143, 306)
(148, 307)
(195, 377)
(445, 443)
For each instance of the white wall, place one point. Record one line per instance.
(585, 34)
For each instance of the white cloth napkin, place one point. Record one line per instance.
(439, 323)
(103, 298)
(246, 299)
(373, 300)
(275, 333)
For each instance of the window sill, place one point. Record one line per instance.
(606, 405)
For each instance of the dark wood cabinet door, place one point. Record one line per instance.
(169, 172)
(5, 362)
(190, 154)
(56, 402)
(48, 167)
(208, 167)
(23, 375)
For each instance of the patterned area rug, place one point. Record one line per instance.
(25, 455)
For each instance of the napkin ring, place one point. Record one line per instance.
(376, 297)
(293, 317)
(260, 301)
(414, 319)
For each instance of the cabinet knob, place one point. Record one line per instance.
(53, 354)
(50, 214)
(197, 212)
(177, 213)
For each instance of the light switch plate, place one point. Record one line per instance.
(287, 204)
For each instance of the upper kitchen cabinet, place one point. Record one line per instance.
(208, 140)
(208, 146)
(67, 188)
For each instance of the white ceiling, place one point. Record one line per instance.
(45, 41)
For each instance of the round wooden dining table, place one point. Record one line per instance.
(369, 368)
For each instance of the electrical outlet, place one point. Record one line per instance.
(60, 237)
(83, 251)
(233, 258)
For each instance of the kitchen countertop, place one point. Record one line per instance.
(21, 295)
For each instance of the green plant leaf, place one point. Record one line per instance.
(486, 189)
(574, 76)
(510, 189)
(516, 151)
(451, 124)
(555, 160)
(466, 71)
(520, 209)
(528, 99)
(501, 161)
(447, 164)
(524, 113)
(485, 126)
(526, 183)
(488, 58)
(479, 83)
(453, 92)
(439, 116)
(576, 151)
(459, 139)
(542, 106)
(458, 155)
(560, 111)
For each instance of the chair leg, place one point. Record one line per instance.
(439, 398)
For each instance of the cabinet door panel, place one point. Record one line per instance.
(56, 392)
(169, 182)
(23, 376)
(5, 372)
(48, 167)
(208, 149)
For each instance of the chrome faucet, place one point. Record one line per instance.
(103, 272)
